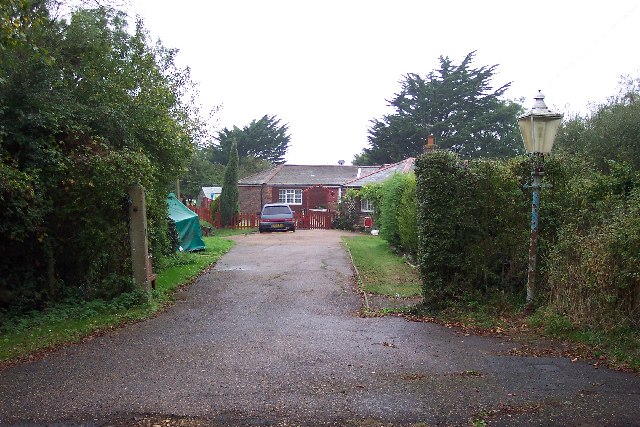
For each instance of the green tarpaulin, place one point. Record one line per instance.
(187, 223)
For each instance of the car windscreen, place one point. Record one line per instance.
(276, 210)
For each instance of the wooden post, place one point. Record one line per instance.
(138, 237)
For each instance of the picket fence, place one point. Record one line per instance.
(309, 220)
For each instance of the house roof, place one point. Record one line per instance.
(382, 173)
(307, 175)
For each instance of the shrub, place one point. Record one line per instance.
(471, 225)
(392, 190)
(407, 216)
(347, 211)
(593, 269)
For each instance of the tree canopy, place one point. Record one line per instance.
(87, 107)
(455, 103)
(264, 139)
(611, 132)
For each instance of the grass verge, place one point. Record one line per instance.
(382, 272)
(74, 320)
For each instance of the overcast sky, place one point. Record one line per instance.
(327, 67)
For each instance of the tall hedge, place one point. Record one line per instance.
(593, 264)
(472, 225)
(392, 190)
(474, 234)
(407, 216)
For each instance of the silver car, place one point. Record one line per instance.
(277, 217)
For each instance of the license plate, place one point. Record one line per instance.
(277, 225)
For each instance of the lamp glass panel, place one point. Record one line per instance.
(539, 133)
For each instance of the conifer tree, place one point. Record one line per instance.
(229, 199)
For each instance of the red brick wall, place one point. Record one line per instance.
(252, 198)
(317, 197)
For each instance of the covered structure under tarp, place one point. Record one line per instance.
(187, 224)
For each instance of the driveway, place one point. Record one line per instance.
(271, 336)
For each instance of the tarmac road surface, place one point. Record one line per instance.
(272, 336)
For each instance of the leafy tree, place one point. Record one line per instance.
(200, 173)
(86, 108)
(455, 103)
(229, 199)
(252, 165)
(264, 139)
(611, 132)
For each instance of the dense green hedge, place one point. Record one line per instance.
(472, 226)
(88, 106)
(474, 234)
(593, 265)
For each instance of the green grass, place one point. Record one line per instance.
(381, 271)
(74, 320)
(384, 272)
(620, 346)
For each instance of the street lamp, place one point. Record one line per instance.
(538, 127)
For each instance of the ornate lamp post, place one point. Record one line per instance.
(539, 127)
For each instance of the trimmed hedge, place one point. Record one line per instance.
(472, 227)
(474, 220)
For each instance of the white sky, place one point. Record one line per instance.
(327, 67)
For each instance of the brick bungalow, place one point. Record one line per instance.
(301, 186)
(312, 186)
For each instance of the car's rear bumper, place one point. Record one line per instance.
(277, 226)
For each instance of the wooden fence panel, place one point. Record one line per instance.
(304, 221)
(245, 220)
(202, 212)
(315, 220)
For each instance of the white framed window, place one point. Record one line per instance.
(290, 196)
(366, 205)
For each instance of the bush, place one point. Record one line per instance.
(472, 225)
(593, 269)
(347, 211)
(392, 190)
(473, 235)
(407, 217)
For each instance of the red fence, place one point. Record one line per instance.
(203, 213)
(239, 221)
(310, 220)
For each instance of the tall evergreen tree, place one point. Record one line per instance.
(229, 199)
(264, 139)
(457, 104)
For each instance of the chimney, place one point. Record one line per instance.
(431, 144)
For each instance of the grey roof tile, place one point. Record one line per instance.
(383, 173)
(306, 175)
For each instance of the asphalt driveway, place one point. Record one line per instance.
(271, 336)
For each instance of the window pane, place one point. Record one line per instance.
(290, 196)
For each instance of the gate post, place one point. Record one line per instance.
(138, 237)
